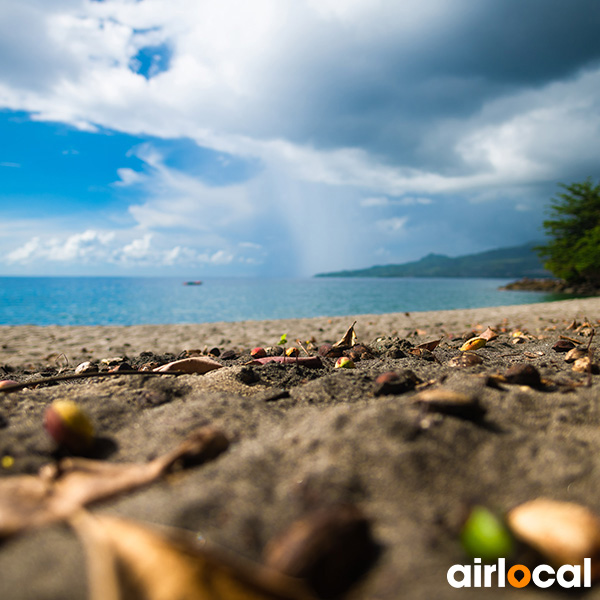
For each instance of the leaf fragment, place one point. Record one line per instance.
(60, 489)
(195, 364)
(431, 346)
(129, 560)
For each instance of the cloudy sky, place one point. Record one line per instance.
(286, 137)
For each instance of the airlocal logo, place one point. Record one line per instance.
(519, 576)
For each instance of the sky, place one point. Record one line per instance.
(283, 138)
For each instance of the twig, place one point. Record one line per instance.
(57, 378)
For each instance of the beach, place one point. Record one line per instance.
(304, 439)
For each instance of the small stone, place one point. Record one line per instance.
(585, 365)
(450, 402)
(86, 367)
(229, 355)
(392, 383)
(274, 350)
(258, 352)
(523, 374)
(215, 352)
(122, 367)
(113, 361)
(292, 351)
(248, 375)
(465, 360)
(328, 548)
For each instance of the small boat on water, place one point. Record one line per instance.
(192, 282)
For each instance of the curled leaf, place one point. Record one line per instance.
(473, 344)
(196, 364)
(349, 338)
(431, 346)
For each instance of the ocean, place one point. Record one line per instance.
(165, 300)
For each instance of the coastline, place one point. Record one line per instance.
(23, 344)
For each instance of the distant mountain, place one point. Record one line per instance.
(508, 263)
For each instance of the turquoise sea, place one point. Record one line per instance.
(162, 300)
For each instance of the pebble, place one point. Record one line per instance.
(523, 374)
(86, 367)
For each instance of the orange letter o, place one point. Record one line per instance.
(514, 581)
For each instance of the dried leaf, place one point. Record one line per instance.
(563, 345)
(60, 489)
(131, 561)
(574, 354)
(473, 344)
(489, 334)
(564, 532)
(196, 364)
(349, 338)
(431, 346)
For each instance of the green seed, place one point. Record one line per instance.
(485, 536)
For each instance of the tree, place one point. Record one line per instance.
(573, 252)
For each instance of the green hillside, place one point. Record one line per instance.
(514, 262)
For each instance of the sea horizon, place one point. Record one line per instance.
(136, 300)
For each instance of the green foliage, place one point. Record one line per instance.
(573, 252)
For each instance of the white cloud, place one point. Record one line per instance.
(345, 104)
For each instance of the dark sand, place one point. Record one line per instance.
(332, 439)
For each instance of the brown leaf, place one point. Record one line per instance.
(60, 489)
(349, 338)
(196, 364)
(431, 346)
(489, 334)
(130, 561)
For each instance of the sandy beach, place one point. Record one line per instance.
(304, 439)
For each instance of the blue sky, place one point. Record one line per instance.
(286, 137)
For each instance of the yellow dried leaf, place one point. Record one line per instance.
(349, 338)
(473, 344)
(139, 562)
